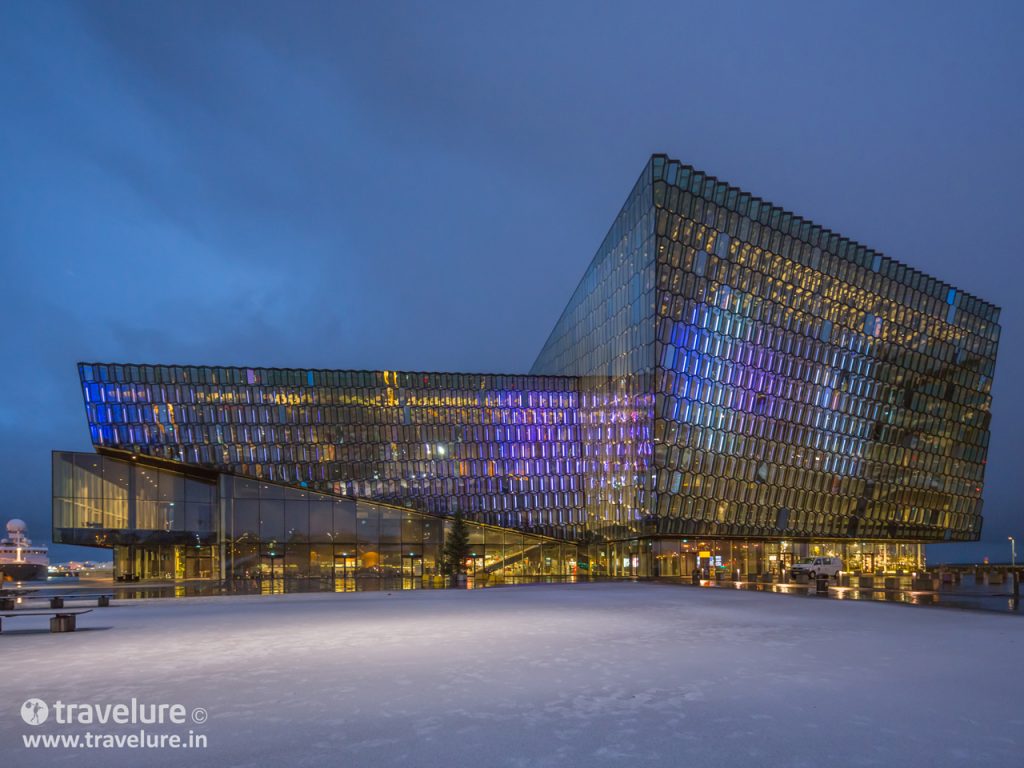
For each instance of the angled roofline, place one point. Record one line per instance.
(715, 189)
(593, 259)
(123, 364)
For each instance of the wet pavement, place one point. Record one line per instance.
(966, 595)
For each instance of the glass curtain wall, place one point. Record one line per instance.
(503, 450)
(605, 338)
(807, 385)
(160, 523)
(277, 533)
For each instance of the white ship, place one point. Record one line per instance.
(19, 560)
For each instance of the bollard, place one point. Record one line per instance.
(822, 586)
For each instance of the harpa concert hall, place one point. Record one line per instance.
(730, 387)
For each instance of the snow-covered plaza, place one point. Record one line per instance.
(615, 674)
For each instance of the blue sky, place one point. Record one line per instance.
(421, 185)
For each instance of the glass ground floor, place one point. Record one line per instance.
(742, 558)
(169, 562)
(747, 558)
(176, 523)
(414, 553)
(168, 523)
(498, 556)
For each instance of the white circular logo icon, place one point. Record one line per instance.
(35, 711)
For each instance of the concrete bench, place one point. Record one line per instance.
(9, 598)
(57, 601)
(8, 603)
(60, 620)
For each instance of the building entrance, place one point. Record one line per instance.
(344, 566)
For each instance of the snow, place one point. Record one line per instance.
(613, 674)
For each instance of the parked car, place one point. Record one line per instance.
(813, 567)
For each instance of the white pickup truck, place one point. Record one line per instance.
(813, 567)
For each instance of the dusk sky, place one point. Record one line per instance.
(420, 186)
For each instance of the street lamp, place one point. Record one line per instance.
(1013, 573)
